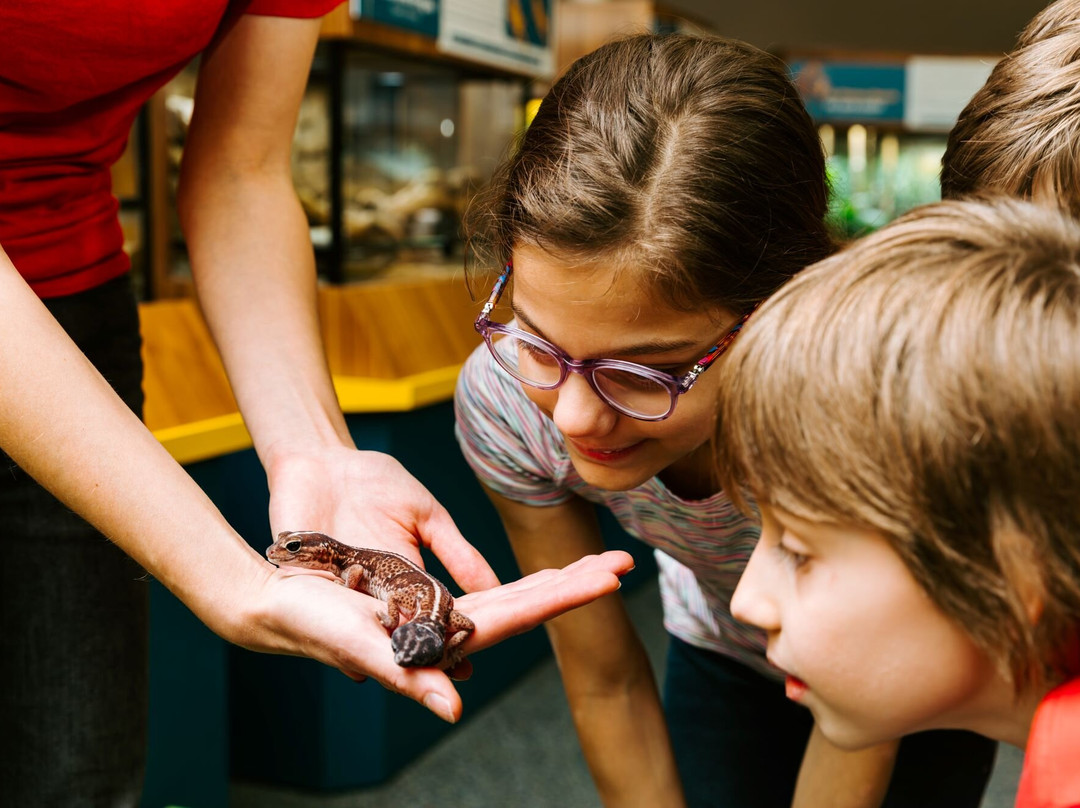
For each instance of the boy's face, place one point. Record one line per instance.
(863, 645)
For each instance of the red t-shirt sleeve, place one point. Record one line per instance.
(1051, 776)
(291, 8)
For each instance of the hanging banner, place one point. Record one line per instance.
(853, 92)
(510, 34)
(939, 87)
(921, 93)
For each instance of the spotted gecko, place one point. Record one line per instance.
(433, 630)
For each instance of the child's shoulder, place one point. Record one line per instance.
(501, 431)
(484, 389)
(1051, 778)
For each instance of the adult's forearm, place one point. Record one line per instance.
(65, 426)
(250, 249)
(255, 276)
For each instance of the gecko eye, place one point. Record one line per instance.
(293, 546)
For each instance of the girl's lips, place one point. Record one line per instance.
(794, 688)
(605, 455)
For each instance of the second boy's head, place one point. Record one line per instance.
(906, 413)
(1020, 133)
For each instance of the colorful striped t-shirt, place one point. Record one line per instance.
(701, 546)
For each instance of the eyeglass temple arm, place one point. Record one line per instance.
(496, 292)
(711, 356)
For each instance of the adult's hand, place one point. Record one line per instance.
(302, 612)
(368, 499)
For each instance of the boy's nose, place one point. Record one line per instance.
(579, 411)
(753, 602)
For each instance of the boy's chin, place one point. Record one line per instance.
(848, 736)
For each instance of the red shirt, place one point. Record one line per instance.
(1051, 775)
(73, 75)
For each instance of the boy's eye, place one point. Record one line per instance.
(790, 557)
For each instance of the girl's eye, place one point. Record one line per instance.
(680, 369)
(535, 353)
(629, 381)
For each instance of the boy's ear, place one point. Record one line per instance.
(1017, 556)
(1033, 603)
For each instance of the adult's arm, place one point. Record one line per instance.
(605, 670)
(254, 271)
(63, 424)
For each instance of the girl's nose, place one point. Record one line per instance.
(579, 411)
(754, 601)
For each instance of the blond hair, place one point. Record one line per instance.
(925, 383)
(1020, 133)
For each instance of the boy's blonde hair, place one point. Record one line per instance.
(1020, 133)
(925, 383)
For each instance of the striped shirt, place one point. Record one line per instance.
(701, 546)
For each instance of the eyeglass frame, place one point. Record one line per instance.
(675, 385)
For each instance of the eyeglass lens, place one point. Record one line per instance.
(534, 364)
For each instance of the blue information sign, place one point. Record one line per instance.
(851, 91)
(419, 16)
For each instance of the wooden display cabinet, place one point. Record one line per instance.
(584, 25)
(480, 108)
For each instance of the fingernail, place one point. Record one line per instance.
(440, 706)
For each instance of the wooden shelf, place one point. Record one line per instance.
(393, 345)
(584, 25)
(339, 26)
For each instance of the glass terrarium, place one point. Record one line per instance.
(403, 144)
(387, 153)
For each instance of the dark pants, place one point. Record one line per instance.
(739, 742)
(73, 708)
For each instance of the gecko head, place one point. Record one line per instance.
(417, 644)
(301, 548)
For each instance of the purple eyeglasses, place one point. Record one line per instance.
(629, 388)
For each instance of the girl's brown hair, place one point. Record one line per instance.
(925, 383)
(1020, 133)
(690, 159)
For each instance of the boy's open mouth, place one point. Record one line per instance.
(794, 687)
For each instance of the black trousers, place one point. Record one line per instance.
(73, 705)
(739, 742)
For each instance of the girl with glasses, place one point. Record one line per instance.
(667, 185)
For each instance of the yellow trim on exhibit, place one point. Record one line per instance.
(212, 437)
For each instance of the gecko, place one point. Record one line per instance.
(433, 630)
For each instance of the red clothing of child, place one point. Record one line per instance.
(73, 75)
(1051, 775)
